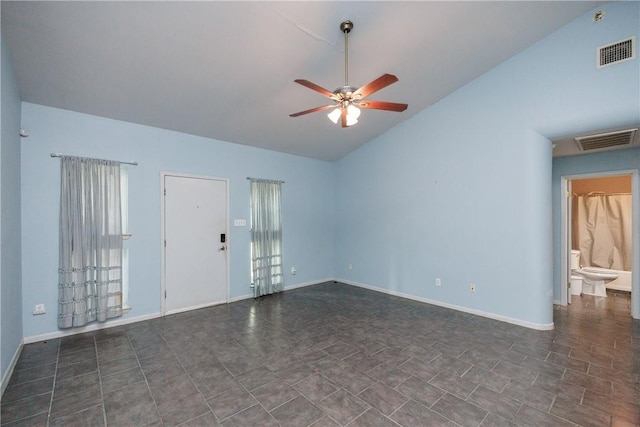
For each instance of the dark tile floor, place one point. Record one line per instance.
(330, 355)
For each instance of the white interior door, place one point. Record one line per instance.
(195, 218)
(569, 219)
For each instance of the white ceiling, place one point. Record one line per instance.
(225, 70)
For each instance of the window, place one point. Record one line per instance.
(266, 238)
(90, 258)
(126, 235)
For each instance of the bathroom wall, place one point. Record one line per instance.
(608, 184)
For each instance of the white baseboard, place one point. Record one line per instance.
(7, 375)
(531, 325)
(304, 284)
(89, 328)
(240, 298)
(286, 288)
(119, 322)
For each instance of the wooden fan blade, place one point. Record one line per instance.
(343, 116)
(374, 86)
(317, 88)
(313, 110)
(381, 105)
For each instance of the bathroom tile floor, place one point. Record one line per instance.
(337, 355)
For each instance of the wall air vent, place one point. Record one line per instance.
(614, 53)
(607, 140)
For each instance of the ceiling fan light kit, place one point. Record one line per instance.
(353, 113)
(348, 100)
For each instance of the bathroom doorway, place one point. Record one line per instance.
(599, 221)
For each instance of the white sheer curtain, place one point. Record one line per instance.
(602, 230)
(90, 259)
(266, 237)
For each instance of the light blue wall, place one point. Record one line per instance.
(10, 241)
(611, 161)
(308, 218)
(462, 191)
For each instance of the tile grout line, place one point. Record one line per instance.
(144, 375)
(53, 385)
(567, 334)
(104, 407)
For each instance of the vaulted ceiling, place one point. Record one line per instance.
(225, 70)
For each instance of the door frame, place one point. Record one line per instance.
(163, 283)
(635, 234)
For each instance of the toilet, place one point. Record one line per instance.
(576, 284)
(576, 279)
(593, 279)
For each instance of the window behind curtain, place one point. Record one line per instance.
(126, 234)
(266, 237)
(90, 238)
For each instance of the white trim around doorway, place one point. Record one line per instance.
(163, 174)
(635, 207)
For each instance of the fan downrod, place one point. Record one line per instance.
(346, 26)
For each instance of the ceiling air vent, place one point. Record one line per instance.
(617, 52)
(606, 140)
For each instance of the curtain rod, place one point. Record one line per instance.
(125, 163)
(599, 193)
(273, 181)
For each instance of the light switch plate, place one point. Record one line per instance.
(240, 222)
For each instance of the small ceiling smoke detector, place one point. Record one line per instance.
(598, 16)
(604, 141)
(24, 133)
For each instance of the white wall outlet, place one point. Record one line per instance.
(472, 287)
(350, 266)
(293, 271)
(39, 309)
(438, 282)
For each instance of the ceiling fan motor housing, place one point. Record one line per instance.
(345, 91)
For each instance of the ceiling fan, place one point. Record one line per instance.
(348, 100)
